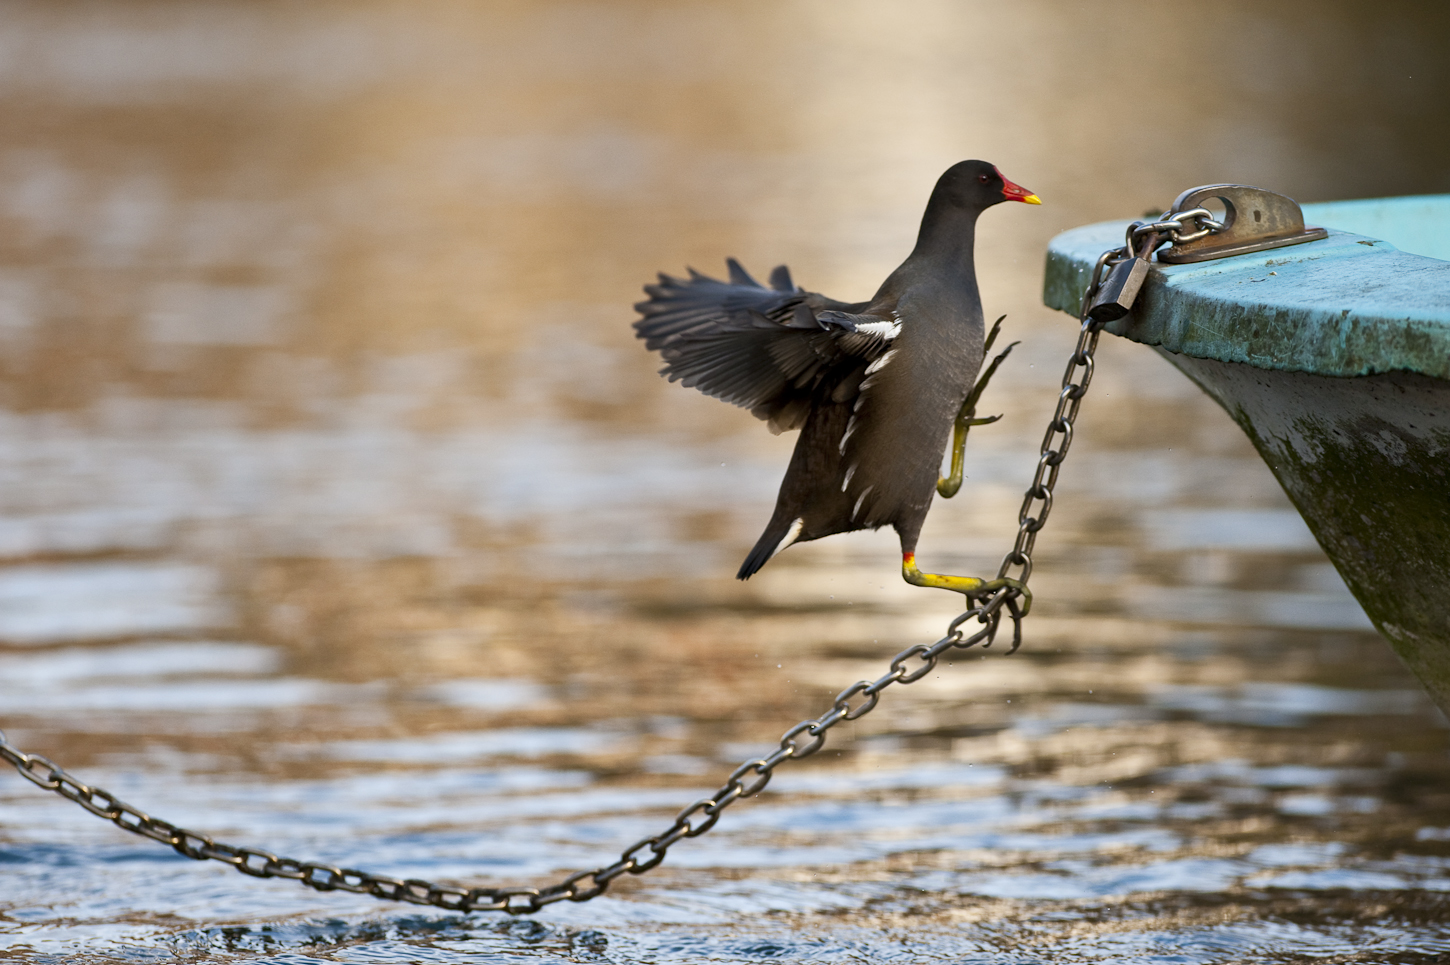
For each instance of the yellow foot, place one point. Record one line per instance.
(973, 588)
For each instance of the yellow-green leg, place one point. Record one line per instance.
(949, 486)
(972, 587)
(967, 417)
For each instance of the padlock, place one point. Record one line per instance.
(1117, 292)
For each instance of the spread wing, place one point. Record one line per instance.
(771, 350)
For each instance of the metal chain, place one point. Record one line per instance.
(751, 777)
(1142, 239)
(747, 780)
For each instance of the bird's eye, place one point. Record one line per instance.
(984, 178)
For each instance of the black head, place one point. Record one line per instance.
(977, 185)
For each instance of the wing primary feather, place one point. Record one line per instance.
(771, 350)
(803, 317)
(739, 276)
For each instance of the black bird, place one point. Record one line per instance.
(875, 387)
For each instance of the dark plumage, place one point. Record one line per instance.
(874, 386)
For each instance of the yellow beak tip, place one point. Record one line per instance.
(1032, 199)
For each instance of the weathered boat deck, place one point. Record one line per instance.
(1352, 304)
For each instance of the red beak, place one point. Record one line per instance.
(1016, 192)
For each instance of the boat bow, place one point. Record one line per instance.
(1334, 357)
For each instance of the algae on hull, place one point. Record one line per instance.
(1366, 461)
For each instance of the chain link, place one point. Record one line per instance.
(1173, 227)
(747, 780)
(1142, 239)
(751, 777)
(1037, 501)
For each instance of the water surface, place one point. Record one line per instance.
(342, 516)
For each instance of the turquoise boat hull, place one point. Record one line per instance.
(1334, 357)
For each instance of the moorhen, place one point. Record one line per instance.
(875, 387)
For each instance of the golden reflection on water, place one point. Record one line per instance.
(330, 461)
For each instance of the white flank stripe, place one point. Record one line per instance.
(850, 428)
(849, 473)
(859, 500)
(880, 363)
(790, 537)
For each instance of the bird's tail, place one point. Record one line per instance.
(777, 536)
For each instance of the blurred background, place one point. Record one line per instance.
(342, 515)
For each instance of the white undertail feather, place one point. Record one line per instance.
(791, 535)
